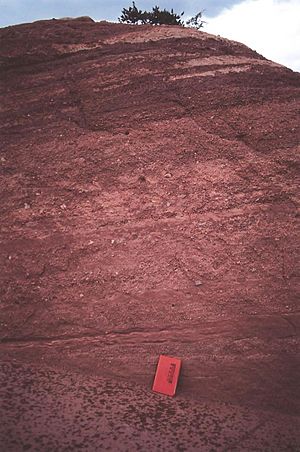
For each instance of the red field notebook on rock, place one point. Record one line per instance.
(167, 374)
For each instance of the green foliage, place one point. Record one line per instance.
(133, 15)
(196, 21)
(164, 17)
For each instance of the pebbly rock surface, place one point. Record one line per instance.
(65, 411)
(149, 205)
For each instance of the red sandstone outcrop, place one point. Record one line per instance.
(149, 206)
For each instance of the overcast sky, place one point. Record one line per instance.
(271, 27)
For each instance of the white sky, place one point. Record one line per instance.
(271, 27)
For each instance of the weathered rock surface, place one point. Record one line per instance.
(135, 162)
(65, 411)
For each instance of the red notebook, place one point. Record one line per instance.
(167, 374)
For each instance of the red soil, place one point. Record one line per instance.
(149, 206)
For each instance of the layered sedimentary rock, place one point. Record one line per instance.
(149, 206)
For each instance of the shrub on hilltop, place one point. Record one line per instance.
(133, 15)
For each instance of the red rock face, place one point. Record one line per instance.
(149, 206)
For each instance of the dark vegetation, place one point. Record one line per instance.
(133, 15)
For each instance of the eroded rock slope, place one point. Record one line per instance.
(149, 205)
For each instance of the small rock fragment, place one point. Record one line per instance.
(198, 283)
